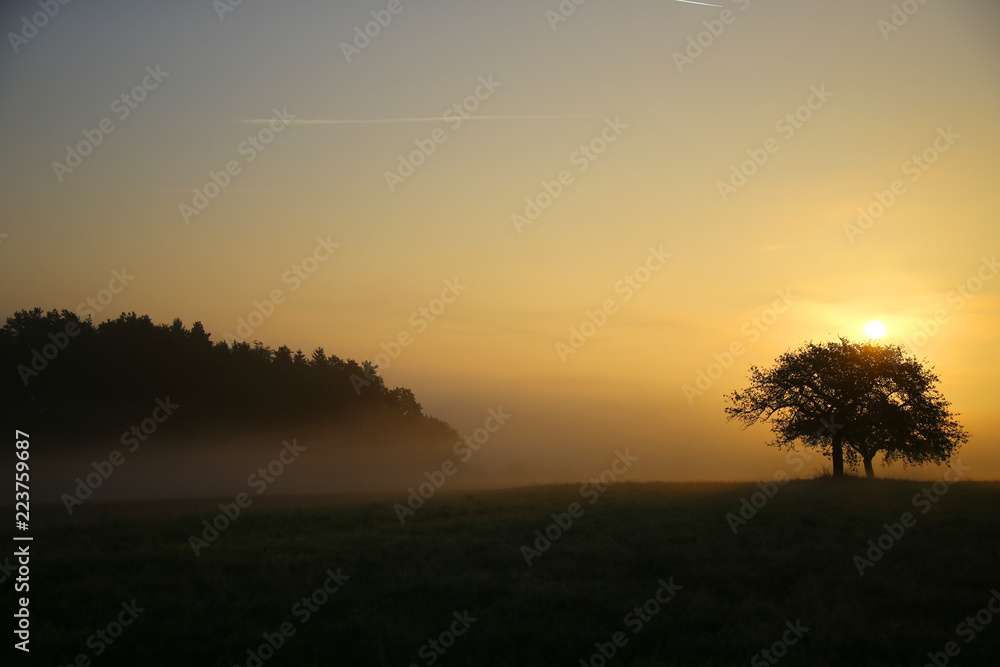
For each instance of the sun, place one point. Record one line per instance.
(875, 329)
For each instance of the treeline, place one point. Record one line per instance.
(69, 378)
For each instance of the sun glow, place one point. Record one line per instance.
(875, 329)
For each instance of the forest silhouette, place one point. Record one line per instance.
(74, 379)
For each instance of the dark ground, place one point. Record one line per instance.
(792, 562)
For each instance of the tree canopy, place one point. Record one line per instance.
(71, 378)
(852, 400)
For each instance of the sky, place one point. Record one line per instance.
(596, 217)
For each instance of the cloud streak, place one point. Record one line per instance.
(384, 121)
(692, 2)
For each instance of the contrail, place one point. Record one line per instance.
(372, 121)
(692, 2)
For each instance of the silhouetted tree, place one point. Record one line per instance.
(71, 379)
(852, 400)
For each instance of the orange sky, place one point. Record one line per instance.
(674, 181)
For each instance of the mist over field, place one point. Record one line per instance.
(526, 449)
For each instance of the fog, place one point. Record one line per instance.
(554, 441)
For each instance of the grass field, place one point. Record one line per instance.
(460, 556)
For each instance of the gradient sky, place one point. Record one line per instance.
(682, 129)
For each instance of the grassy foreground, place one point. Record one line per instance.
(460, 557)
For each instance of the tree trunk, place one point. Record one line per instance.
(837, 452)
(869, 471)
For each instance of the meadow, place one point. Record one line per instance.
(641, 574)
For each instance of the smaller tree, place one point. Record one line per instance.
(852, 400)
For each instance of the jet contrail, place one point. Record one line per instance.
(370, 121)
(692, 2)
